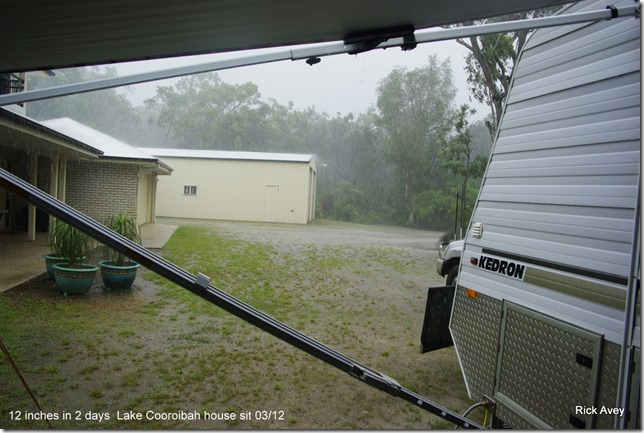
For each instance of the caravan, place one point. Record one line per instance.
(546, 312)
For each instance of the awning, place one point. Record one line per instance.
(42, 34)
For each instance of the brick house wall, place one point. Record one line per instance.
(96, 188)
(101, 189)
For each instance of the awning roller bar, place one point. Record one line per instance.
(320, 50)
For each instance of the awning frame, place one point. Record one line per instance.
(313, 53)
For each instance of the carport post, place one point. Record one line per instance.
(53, 177)
(62, 177)
(31, 218)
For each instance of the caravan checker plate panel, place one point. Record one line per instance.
(513, 378)
(477, 351)
(547, 370)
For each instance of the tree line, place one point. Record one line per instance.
(404, 162)
(413, 159)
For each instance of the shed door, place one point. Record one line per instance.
(271, 202)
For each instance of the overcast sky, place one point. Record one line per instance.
(338, 84)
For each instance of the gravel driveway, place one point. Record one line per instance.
(292, 236)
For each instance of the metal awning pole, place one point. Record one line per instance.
(527, 24)
(631, 315)
(321, 50)
(199, 286)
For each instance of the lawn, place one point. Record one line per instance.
(159, 357)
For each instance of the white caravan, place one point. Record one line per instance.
(546, 315)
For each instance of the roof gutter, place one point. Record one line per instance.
(154, 164)
(312, 54)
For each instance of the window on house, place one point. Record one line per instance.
(189, 190)
(11, 83)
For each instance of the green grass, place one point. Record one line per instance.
(241, 269)
(174, 351)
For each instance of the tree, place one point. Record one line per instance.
(413, 108)
(203, 112)
(104, 110)
(355, 181)
(489, 65)
(459, 155)
(491, 60)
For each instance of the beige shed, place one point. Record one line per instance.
(239, 186)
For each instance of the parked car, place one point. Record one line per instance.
(449, 260)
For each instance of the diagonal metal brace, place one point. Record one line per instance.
(199, 286)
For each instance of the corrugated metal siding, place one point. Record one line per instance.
(236, 190)
(563, 178)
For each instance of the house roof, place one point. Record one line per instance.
(55, 34)
(18, 130)
(110, 147)
(233, 155)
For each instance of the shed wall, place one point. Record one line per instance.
(239, 190)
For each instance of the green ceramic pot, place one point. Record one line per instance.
(74, 281)
(118, 277)
(50, 260)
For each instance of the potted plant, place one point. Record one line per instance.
(52, 257)
(50, 260)
(72, 275)
(117, 270)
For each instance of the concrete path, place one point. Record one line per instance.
(21, 261)
(156, 235)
